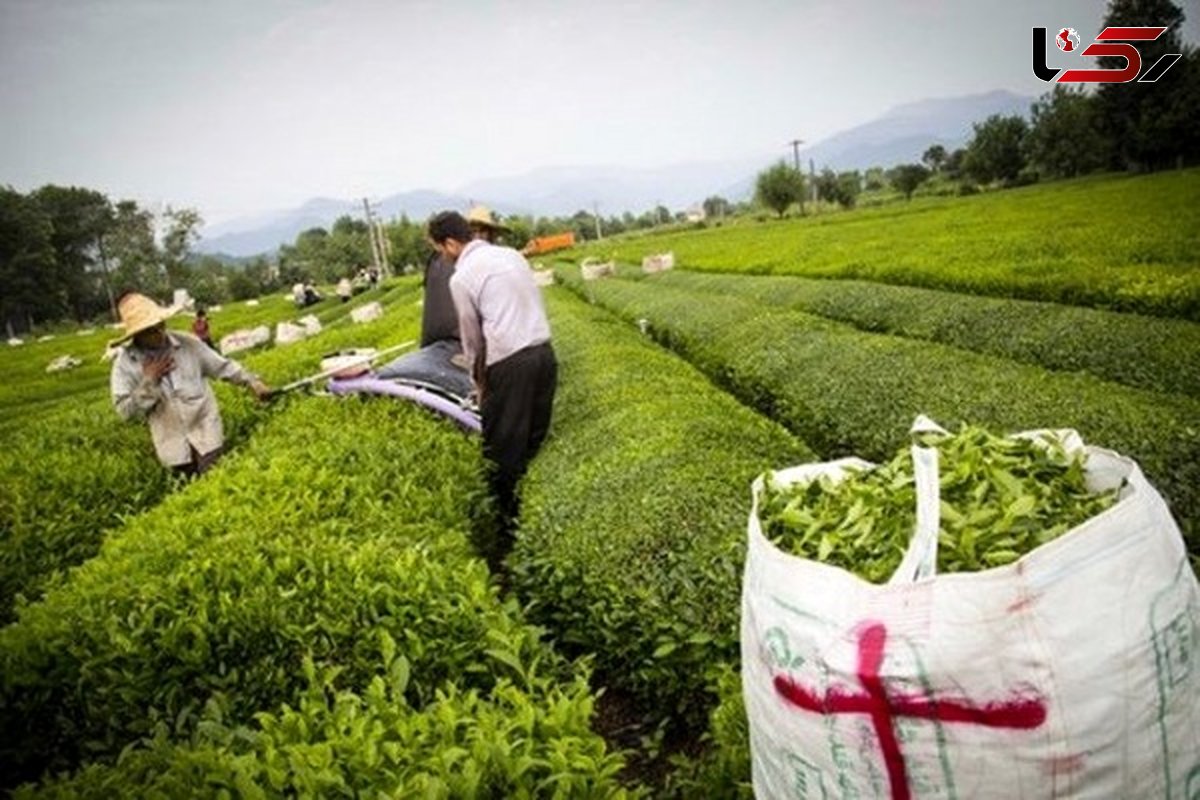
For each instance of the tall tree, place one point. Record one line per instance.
(952, 167)
(907, 177)
(79, 218)
(778, 186)
(26, 262)
(132, 252)
(934, 157)
(1133, 113)
(995, 151)
(182, 231)
(409, 245)
(1065, 139)
(842, 188)
(715, 206)
(876, 179)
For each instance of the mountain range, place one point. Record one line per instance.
(899, 136)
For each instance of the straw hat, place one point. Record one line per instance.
(481, 216)
(138, 313)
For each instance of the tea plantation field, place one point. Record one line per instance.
(1125, 243)
(313, 616)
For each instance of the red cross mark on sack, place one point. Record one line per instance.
(1019, 712)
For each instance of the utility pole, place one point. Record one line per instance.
(795, 143)
(812, 180)
(385, 248)
(596, 216)
(376, 255)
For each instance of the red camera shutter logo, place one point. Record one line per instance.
(1119, 35)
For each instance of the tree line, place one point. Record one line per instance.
(1136, 127)
(66, 252)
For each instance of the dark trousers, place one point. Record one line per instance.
(517, 402)
(199, 464)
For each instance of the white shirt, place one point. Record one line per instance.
(181, 408)
(499, 306)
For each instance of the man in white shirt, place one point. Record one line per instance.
(506, 341)
(163, 377)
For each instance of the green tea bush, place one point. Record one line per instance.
(633, 515)
(847, 392)
(69, 477)
(1161, 355)
(340, 522)
(506, 742)
(1120, 242)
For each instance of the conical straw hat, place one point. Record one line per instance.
(482, 217)
(138, 313)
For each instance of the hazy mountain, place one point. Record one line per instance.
(901, 135)
(552, 191)
(263, 233)
(904, 133)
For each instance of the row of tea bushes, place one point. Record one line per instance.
(508, 742)
(633, 515)
(1106, 241)
(68, 478)
(334, 544)
(30, 394)
(1146, 352)
(847, 392)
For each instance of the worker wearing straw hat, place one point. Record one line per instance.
(484, 225)
(162, 376)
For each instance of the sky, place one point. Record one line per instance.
(235, 107)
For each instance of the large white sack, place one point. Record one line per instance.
(244, 339)
(287, 333)
(367, 313)
(1073, 672)
(311, 324)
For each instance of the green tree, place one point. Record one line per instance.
(849, 187)
(79, 218)
(132, 253)
(952, 167)
(716, 206)
(907, 177)
(1064, 138)
(303, 259)
(182, 231)
(255, 279)
(876, 179)
(779, 186)
(408, 243)
(934, 157)
(26, 262)
(584, 225)
(207, 280)
(1184, 108)
(1143, 137)
(995, 151)
(347, 250)
(842, 189)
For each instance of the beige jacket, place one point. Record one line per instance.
(181, 408)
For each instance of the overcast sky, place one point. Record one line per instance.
(236, 106)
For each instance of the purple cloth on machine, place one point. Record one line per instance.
(373, 384)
